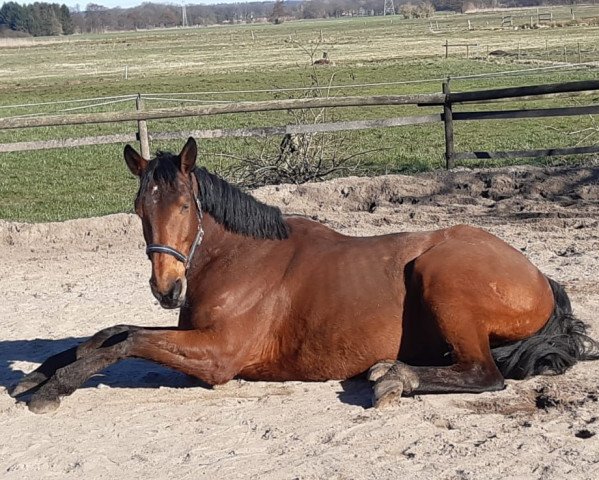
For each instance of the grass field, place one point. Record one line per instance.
(87, 181)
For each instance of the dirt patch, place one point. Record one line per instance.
(64, 281)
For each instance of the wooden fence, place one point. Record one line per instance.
(446, 100)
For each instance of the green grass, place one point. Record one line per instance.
(87, 181)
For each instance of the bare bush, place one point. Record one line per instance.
(425, 10)
(300, 157)
(422, 10)
(408, 10)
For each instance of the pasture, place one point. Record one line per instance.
(372, 50)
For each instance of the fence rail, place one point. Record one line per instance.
(242, 107)
(446, 99)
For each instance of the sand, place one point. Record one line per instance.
(62, 282)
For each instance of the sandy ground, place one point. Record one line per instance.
(62, 282)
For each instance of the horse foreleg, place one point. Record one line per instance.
(52, 364)
(193, 352)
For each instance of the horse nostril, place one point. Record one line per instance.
(170, 298)
(176, 290)
(173, 294)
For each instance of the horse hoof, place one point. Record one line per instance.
(43, 405)
(378, 370)
(387, 394)
(29, 382)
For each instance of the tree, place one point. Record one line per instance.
(313, 9)
(68, 26)
(278, 12)
(14, 16)
(95, 20)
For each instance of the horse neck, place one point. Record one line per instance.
(219, 241)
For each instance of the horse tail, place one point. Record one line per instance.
(557, 346)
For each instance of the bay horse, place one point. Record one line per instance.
(268, 297)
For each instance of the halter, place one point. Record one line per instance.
(159, 248)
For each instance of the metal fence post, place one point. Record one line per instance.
(142, 130)
(448, 122)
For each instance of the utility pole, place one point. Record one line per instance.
(389, 8)
(184, 15)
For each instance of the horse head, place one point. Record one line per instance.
(167, 203)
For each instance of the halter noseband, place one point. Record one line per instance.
(159, 248)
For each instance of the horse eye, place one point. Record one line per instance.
(185, 207)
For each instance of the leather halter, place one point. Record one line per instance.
(185, 259)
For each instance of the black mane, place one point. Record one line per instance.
(237, 211)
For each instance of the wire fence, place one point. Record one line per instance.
(236, 95)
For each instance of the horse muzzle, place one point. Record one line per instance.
(173, 297)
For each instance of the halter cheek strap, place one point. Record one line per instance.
(186, 259)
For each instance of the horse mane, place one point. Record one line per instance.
(236, 210)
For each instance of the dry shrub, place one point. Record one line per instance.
(300, 157)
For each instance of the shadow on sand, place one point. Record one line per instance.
(125, 374)
(356, 391)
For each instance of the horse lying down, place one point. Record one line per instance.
(268, 297)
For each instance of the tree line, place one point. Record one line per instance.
(152, 15)
(53, 19)
(37, 19)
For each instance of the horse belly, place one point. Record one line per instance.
(351, 348)
(350, 314)
(345, 335)
(346, 309)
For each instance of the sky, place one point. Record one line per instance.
(128, 3)
(133, 3)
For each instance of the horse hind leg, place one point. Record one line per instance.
(405, 380)
(473, 369)
(379, 369)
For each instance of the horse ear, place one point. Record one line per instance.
(136, 163)
(188, 156)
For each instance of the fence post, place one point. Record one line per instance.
(142, 130)
(448, 122)
(446, 48)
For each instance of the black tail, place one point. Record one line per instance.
(556, 347)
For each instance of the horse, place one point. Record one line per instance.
(269, 297)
